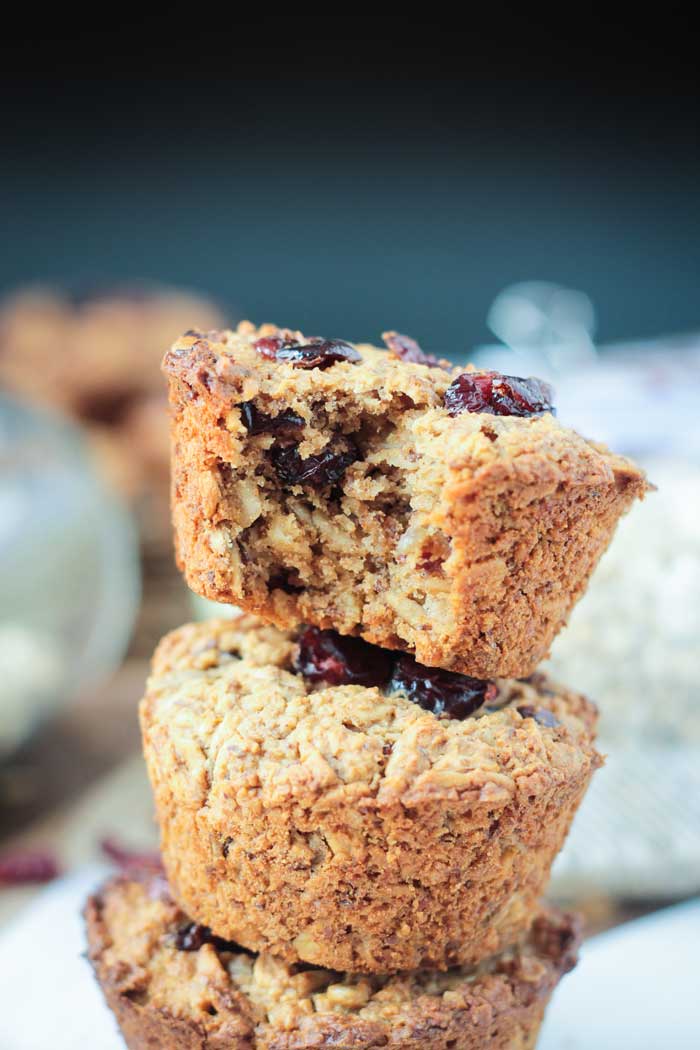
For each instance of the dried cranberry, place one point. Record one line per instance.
(316, 353)
(408, 350)
(269, 345)
(193, 936)
(321, 353)
(130, 859)
(498, 395)
(541, 715)
(325, 656)
(27, 866)
(257, 422)
(442, 692)
(325, 468)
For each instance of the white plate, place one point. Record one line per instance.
(636, 988)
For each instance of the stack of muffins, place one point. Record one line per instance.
(362, 782)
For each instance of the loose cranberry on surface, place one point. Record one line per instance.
(320, 353)
(129, 859)
(325, 656)
(193, 936)
(25, 867)
(498, 395)
(408, 350)
(442, 692)
(257, 422)
(325, 468)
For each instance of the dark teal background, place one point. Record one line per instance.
(338, 177)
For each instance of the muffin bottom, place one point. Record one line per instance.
(173, 985)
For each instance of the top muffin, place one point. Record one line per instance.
(385, 494)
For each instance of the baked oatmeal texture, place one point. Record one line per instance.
(214, 996)
(346, 495)
(346, 826)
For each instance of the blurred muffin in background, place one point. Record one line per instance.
(96, 358)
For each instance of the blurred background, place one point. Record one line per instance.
(353, 172)
(525, 195)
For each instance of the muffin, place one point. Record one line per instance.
(97, 360)
(171, 983)
(327, 801)
(385, 494)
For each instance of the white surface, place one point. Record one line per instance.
(50, 1000)
(635, 987)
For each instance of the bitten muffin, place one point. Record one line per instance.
(173, 984)
(328, 801)
(385, 494)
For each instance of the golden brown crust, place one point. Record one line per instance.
(214, 999)
(464, 539)
(347, 827)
